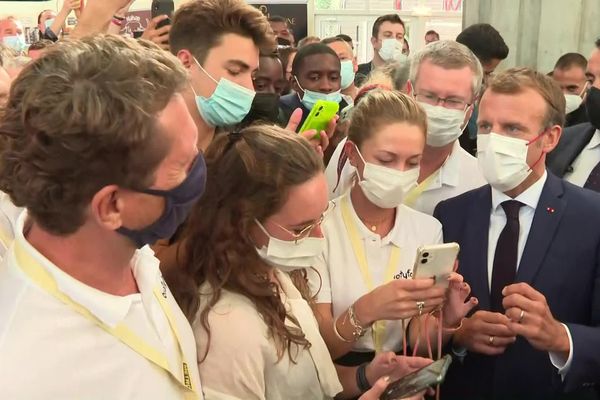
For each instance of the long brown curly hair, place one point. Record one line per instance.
(249, 176)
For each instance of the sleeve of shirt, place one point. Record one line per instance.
(559, 362)
(319, 281)
(238, 353)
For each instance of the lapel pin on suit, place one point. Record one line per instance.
(550, 210)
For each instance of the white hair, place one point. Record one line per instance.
(448, 54)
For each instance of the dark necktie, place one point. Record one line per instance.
(505, 258)
(593, 181)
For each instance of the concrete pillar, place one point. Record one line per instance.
(537, 32)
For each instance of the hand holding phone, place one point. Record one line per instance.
(418, 381)
(436, 261)
(320, 116)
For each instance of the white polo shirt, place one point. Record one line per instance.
(341, 282)
(8, 221)
(458, 175)
(50, 351)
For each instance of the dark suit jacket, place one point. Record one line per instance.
(572, 142)
(577, 117)
(291, 102)
(561, 260)
(362, 73)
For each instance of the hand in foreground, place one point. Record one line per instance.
(486, 333)
(159, 36)
(456, 306)
(399, 299)
(319, 143)
(391, 367)
(529, 316)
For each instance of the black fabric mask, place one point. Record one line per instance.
(265, 107)
(592, 106)
(178, 204)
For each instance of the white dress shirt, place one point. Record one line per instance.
(530, 198)
(50, 351)
(341, 283)
(458, 175)
(585, 161)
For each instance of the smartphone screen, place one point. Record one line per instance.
(420, 380)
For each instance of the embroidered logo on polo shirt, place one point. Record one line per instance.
(408, 274)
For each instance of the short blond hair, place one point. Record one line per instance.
(448, 54)
(515, 80)
(382, 107)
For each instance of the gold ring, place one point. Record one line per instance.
(491, 341)
(521, 316)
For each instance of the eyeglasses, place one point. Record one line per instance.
(448, 102)
(305, 232)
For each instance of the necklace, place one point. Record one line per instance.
(373, 224)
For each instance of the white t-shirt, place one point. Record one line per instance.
(341, 282)
(458, 175)
(242, 361)
(50, 351)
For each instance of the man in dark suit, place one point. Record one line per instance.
(387, 37)
(530, 249)
(577, 156)
(316, 75)
(569, 73)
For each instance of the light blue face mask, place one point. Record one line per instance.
(347, 74)
(310, 98)
(228, 105)
(16, 42)
(48, 23)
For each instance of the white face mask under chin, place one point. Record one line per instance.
(502, 160)
(444, 125)
(386, 187)
(290, 255)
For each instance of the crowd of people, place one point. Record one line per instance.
(167, 232)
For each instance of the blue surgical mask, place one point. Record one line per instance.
(347, 74)
(310, 98)
(49, 23)
(228, 105)
(178, 204)
(16, 42)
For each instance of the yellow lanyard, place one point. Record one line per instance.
(32, 268)
(411, 197)
(361, 258)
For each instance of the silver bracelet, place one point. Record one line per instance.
(359, 330)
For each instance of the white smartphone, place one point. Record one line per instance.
(436, 261)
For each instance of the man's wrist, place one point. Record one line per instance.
(562, 344)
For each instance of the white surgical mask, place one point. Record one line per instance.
(503, 160)
(386, 187)
(444, 125)
(291, 255)
(573, 101)
(391, 50)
